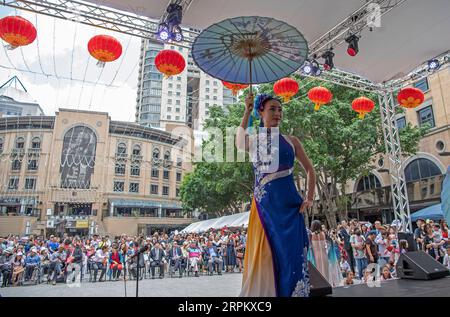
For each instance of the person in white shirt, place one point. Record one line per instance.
(99, 263)
(446, 261)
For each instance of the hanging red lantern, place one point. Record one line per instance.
(410, 97)
(320, 96)
(17, 31)
(363, 106)
(234, 87)
(105, 49)
(286, 88)
(170, 62)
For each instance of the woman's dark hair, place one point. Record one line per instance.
(316, 226)
(357, 231)
(403, 244)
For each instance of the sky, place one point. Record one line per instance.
(58, 71)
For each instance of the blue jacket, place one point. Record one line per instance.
(32, 259)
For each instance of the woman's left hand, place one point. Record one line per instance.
(307, 204)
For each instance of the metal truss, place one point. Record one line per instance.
(394, 153)
(89, 14)
(360, 19)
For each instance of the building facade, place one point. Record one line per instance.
(182, 99)
(80, 172)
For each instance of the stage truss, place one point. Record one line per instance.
(362, 18)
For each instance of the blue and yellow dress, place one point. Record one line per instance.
(275, 261)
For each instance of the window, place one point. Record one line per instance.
(154, 189)
(156, 153)
(207, 82)
(16, 165)
(134, 188)
(180, 49)
(177, 102)
(169, 101)
(177, 192)
(177, 118)
(166, 175)
(215, 91)
(155, 173)
(426, 116)
(136, 150)
(120, 168)
(401, 123)
(172, 47)
(169, 117)
(170, 85)
(179, 161)
(207, 104)
(369, 182)
(178, 94)
(20, 143)
(207, 97)
(421, 168)
(119, 186)
(215, 83)
(167, 155)
(207, 112)
(178, 86)
(32, 165)
(36, 143)
(13, 183)
(215, 97)
(178, 177)
(169, 93)
(30, 183)
(422, 84)
(207, 89)
(121, 148)
(135, 170)
(177, 109)
(169, 109)
(179, 78)
(165, 190)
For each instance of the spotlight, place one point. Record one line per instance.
(352, 41)
(170, 29)
(307, 68)
(315, 68)
(433, 65)
(328, 56)
(311, 68)
(163, 33)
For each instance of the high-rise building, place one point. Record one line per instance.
(184, 99)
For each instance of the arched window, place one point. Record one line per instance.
(156, 153)
(136, 150)
(121, 148)
(167, 155)
(369, 182)
(20, 143)
(421, 168)
(36, 143)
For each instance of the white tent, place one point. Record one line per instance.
(236, 220)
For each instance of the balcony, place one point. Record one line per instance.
(167, 163)
(18, 151)
(33, 151)
(136, 157)
(121, 156)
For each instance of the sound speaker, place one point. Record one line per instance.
(408, 236)
(319, 285)
(418, 265)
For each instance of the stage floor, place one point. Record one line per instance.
(398, 288)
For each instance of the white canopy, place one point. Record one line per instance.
(410, 34)
(236, 220)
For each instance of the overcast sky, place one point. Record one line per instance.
(60, 52)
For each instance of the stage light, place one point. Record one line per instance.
(352, 41)
(311, 68)
(307, 68)
(170, 29)
(433, 65)
(163, 32)
(328, 56)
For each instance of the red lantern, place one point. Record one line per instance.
(17, 31)
(363, 105)
(170, 62)
(234, 87)
(285, 88)
(410, 97)
(320, 96)
(104, 48)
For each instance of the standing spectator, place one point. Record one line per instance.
(382, 240)
(231, 256)
(6, 266)
(157, 260)
(430, 246)
(75, 266)
(194, 256)
(446, 261)
(175, 257)
(371, 247)
(358, 245)
(240, 252)
(344, 235)
(444, 230)
(419, 233)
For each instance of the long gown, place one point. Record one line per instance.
(275, 256)
(319, 251)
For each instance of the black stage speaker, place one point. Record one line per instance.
(319, 285)
(418, 265)
(408, 236)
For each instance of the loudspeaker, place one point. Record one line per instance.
(408, 236)
(319, 285)
(418, 265)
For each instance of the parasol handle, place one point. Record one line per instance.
(250, 67)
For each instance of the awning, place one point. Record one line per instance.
(433, 212)
(236, 220)
(143, 203)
